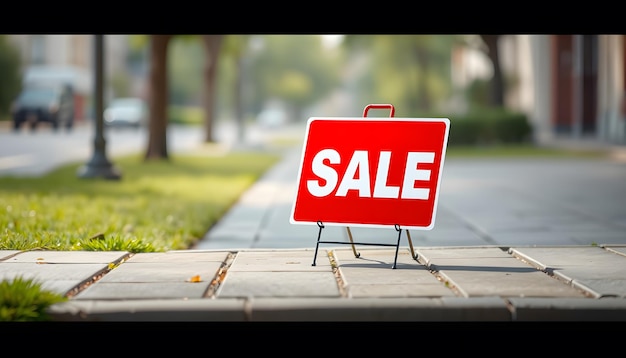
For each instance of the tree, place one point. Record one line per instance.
(11, 83)
(497, 81)
(212, 47)
(294, 69)
(158, 98)
(412, 72)
(158, 89)
(234, 47)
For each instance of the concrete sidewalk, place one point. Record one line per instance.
(482, 201)
(518, 239)
(514, 240)
(577, 283)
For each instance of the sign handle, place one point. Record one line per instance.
(379, 106)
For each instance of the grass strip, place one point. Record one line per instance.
(156, 206)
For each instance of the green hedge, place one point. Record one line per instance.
(489, 127)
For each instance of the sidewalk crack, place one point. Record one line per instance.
(220, 275)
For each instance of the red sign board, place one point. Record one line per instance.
(375, 172)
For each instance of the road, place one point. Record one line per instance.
(26, 153)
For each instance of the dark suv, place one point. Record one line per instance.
(37, 104)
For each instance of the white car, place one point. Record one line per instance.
(272, 118)
(126, 112)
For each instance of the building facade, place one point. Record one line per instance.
(572, 86)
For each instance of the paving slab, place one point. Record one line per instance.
(280, 260)
(377, 310)
(245, 284)
(158, 275)
(592, 268)
(143, 290)
(56, 257)
(621, 249)
(143, 272)
(371, 275)
(516, 238)
(489, 271)
(568, 309)
(5, 254)
(142, 310)
(279, 273)
(59, 278)
(178, 256)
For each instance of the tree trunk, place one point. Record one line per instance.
(424, 102)
(239, 111)
(157, 124)
(212, 51)
(497, 82)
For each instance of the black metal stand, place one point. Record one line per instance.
(352, 243)
(396, 226)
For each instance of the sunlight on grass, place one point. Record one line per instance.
(156, 206)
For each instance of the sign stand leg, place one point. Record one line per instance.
(413, 254)
(352, 243)
(356, 254)
(319, 235)
(399, 230)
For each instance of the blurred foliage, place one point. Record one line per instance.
(413, 72)
(253, 70)
(187, 115)
(293, 68)
(11, 84)
(120, 84)
(490, 126)
(410, 71)
(185, 66)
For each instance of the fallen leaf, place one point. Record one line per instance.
(195, 278)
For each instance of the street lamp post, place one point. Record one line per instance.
(99, 165)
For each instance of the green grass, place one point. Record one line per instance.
(156, 206)
(24, 300)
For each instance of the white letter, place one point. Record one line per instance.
(362, 184)
(327, 173)
(411, 174)
(381, 190)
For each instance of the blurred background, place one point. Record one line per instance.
(560, 86)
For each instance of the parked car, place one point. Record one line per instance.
(126, 112)
(272, 118)
(37, 104)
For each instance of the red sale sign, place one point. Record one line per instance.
(373, 172)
